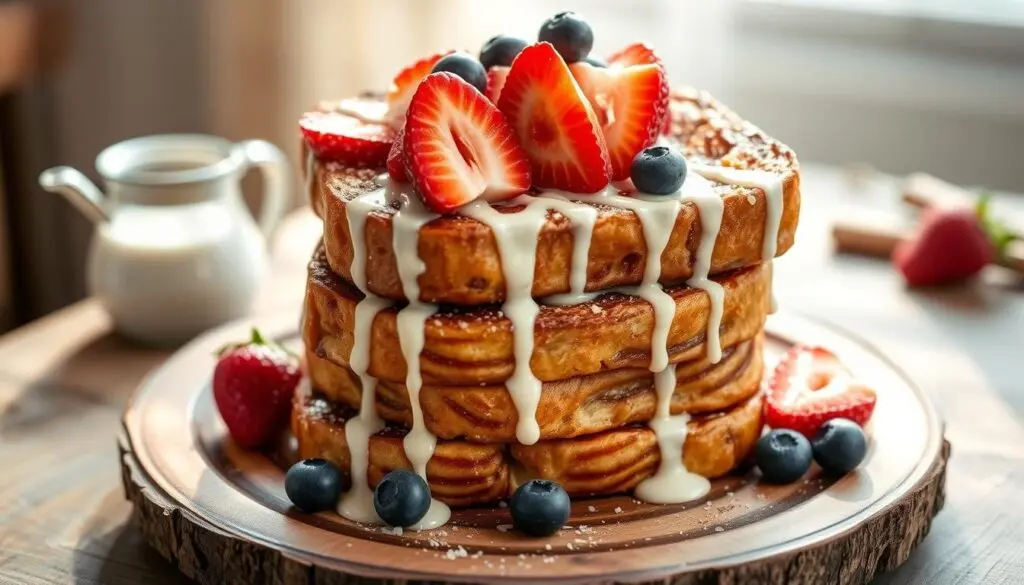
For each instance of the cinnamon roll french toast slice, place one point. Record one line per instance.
(461, 473)
(570, 408)
(474, 346)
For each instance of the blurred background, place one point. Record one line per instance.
(900, 85)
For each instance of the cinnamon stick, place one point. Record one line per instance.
(924, 190)
(869, 238)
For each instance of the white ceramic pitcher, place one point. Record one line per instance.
(176, 251)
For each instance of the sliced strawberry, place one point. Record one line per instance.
(404, 84)
(810, 386)
(633, 54)
(496, 77)
(458, 146)
(396, 158)
(555, 122)
(338, 137)
(631, 103)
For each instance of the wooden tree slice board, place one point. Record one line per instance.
(221, 516)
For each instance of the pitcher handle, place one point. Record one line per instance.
(78, 190)
(276, 195)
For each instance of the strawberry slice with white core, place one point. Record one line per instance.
(631, 103)
(809, 387)
(496, 77)
(555, 122)
(404, 85)
(458, 146)
(337, 137)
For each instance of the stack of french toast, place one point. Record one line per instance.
(590, 338)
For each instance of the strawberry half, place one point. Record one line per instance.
(458, 147)
(496, 77)
(631, 103)
(396, 158)
(555, 122)
(337, 137)
(403, 86)
(810, 386)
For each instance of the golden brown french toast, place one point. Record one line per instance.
(463, 262)
(474, 346)
(462, 473)
(569, 408)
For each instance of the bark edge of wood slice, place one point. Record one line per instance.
(219, 515)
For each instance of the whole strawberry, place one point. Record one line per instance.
(253, 384)
(951, 245)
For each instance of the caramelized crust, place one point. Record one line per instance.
(463, 263)
(466, 346)
(462, 473)
(570, 408)
(616, 461)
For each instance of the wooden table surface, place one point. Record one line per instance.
(64, 380)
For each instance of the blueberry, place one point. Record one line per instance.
(596, 61)
(313, 485)
(839, 446)
(501, 50)
(569, 34)
(539, 507)
(658, 170)
(466, 67)
(402, 498)
(784, 456)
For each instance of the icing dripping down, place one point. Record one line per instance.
(516, 235)
(772, 186)
(419, 443)
(582, 219)
(357, 503)
(672, 483)
(710, 208)
(657, 218)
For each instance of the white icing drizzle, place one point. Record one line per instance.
(419, 442)
(772, 186)
(657, 215)
(582, 219)
(357, 503)
(673, 483)
(710, 208)
(516, 235)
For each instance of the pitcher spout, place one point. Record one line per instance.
(78, 190)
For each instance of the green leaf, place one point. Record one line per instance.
(257, 337)
(997, 232)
